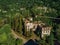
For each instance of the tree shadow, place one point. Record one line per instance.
(38, 30)
(31, 42)
(57, 21)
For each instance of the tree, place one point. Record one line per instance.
(42, 42)
(58, 33)
(50, 39)
(3, 37)
(16, 23)
(18, 42)
(6, 37)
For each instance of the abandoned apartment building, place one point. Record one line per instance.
(45, 30)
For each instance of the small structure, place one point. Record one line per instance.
(22, 8)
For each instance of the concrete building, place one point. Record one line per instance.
(45, 30)
(29, 26)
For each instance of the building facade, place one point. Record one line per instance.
(45, 30)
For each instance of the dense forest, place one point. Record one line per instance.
(12, 13)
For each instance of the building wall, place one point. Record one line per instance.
(46, 31)
(33, 25)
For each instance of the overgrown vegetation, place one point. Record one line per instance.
(12, 12)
